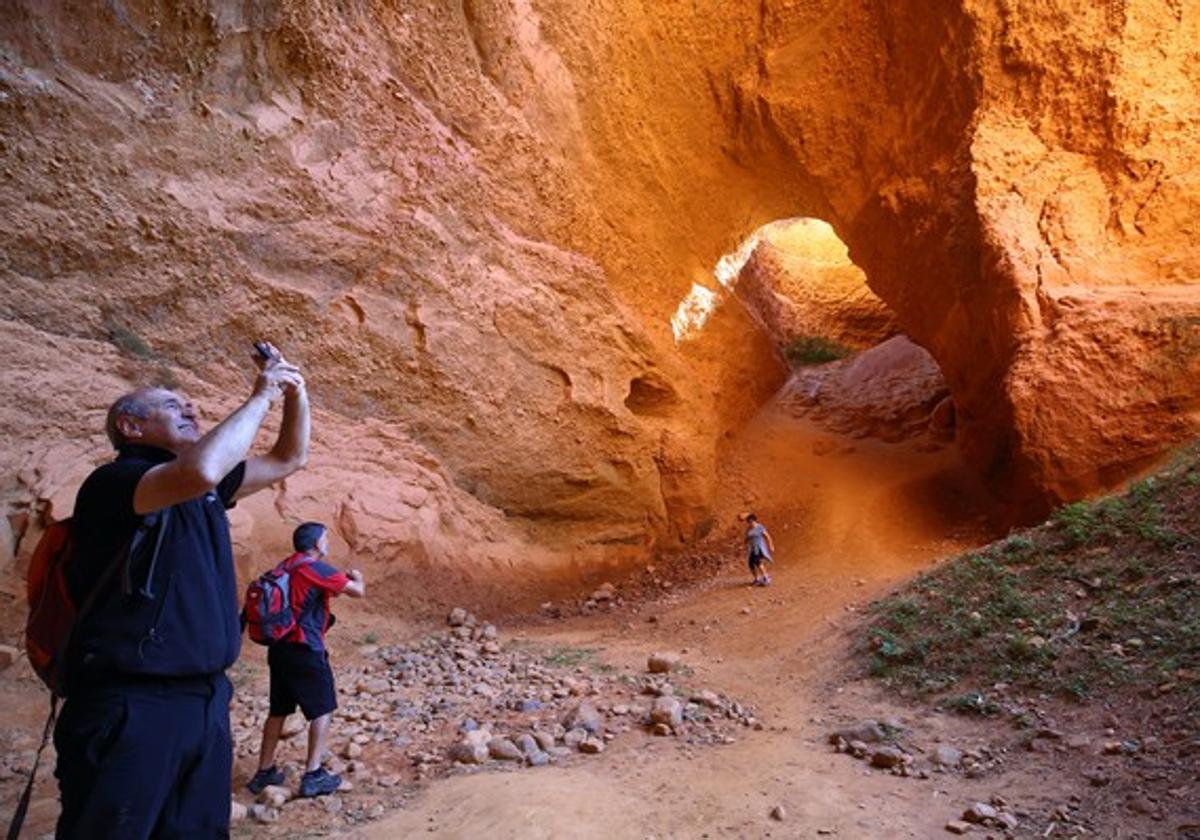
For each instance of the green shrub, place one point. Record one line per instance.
(129, 342)
(814, 350)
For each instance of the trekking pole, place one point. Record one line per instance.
(18, 820)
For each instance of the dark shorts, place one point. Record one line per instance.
(300, 676)
(145, 759)
(756, 559)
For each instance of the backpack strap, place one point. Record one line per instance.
(123, 559)
(301, 560)
(147, 589)
(149, 521)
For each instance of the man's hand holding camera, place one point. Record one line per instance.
(276, 376)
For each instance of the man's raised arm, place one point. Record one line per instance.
(200, 466)
(290, 451)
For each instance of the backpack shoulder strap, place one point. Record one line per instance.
(118, 562)
(291, 565)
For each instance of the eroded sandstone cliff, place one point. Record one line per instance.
(471, 222)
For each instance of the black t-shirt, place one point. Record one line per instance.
(181, 620)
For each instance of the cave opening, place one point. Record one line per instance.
(849, 363)
(856, 445)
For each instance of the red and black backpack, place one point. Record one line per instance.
(267, 613)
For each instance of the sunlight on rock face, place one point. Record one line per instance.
(813, 238)
(693, 313)
(801, 283)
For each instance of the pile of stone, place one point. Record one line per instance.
(581, 712)
(876, 742)
(463, 698)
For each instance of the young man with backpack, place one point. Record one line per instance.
(143, 741)
(296, 656)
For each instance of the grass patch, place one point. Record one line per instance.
(568, 657)
(1104, 597)
(127, 341)
(807, 350)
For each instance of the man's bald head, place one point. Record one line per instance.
(154, 416)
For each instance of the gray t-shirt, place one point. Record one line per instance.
(756, 540)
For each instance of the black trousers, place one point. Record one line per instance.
(146, 758)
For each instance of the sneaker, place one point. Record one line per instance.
(766, 581)
(268, 776)
(319, 782)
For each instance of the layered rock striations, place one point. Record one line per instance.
(472, 222)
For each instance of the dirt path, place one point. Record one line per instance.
(850, 519)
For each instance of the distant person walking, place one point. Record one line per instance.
(144, 747)
(299, 662)
(760, 549)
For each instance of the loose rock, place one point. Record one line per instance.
(667, 710)
(504, 750)
(591, 746)
(887, 757)
(263, 814)
(947, 756)
(587, 717)
(979, 813)
(662, 663)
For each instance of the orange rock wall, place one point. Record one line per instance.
(471, 222)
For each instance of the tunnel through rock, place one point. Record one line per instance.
(851, 458)
(852, 368)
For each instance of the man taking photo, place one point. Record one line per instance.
(143, 742)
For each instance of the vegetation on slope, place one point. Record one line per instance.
(1102, 600)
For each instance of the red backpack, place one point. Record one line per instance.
(53, 613)
(51, 607)
(267, 614)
